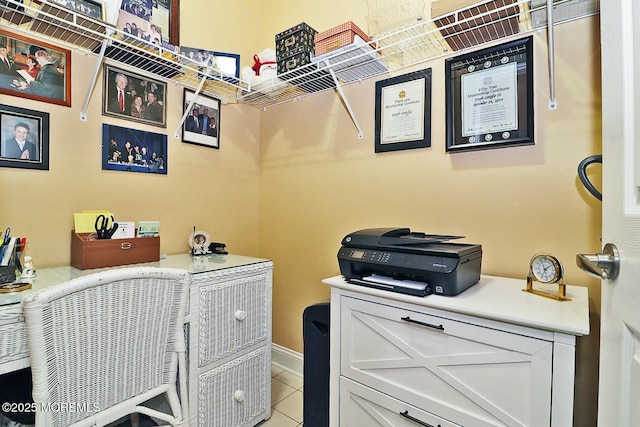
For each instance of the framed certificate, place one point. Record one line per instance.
(489, 95)
(403, 112)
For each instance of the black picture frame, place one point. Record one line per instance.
(14, 122)
(403, 112)
(149, 157)
(202, 131)
(489, 97)
(92, 8)
(136, 85)
(49, 81)
(224, 66)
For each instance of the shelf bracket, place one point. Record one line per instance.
(344, 99)
(103, 49)
(553, 105)
(176, 134)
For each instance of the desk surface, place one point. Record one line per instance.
(194, 264)
(501, 299)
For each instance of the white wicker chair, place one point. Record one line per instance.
(103, 344)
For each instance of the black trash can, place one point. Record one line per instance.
(315, 335)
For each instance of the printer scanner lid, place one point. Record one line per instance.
(404, 239)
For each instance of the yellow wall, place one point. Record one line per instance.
(214, 190)
(288, 183)
(320, 182)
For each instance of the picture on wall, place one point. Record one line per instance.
(133, 150)
(403, 112)
(202, 123)
(24, 138)
(92, 8)
(134, 97)
(489, 97)
(34, 69)
(225, 66)
(155, 21)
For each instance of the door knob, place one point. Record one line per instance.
(605, 265)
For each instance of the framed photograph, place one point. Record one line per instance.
(34, 69)
(225, 66)
(199, 242)
(403, 112)
(151, 19)
(133, 150)
(24, 139)
(133, 97)
(489, 97)
(202, 124)
(92, 8)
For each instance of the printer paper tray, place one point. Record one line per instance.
(409, 287)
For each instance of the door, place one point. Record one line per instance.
(619, 391)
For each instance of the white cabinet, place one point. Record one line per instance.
(491, 356)
(230, 346)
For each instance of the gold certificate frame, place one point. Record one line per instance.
(489, 96)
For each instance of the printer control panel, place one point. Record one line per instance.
(373, 256)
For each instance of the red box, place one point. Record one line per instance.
(337, 37)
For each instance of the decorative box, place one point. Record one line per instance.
(98, 253)
(338, 37)
(302, 35)
(294, 58)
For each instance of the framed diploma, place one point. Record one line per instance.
(489, 95)
(403, 112)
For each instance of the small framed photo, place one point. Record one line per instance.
(25, 138)
(134, 97)
(34, 69)
(92, 8)
(489, 97)
(199, 242)
(202, 123)
(403, 112)
(133, 150)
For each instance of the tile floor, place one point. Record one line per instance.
(286, 402)
(286, 399)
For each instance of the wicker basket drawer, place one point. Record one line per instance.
(237, 392)
(233, 316)
(13, 334)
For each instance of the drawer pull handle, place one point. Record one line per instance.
(239, 395)
(417, 322)
(125, 245)
(415, 420)
(240, 315)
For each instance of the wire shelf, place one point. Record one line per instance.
(485, 22)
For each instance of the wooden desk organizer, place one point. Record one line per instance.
(94, 253)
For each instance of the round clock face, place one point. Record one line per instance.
(546, 268)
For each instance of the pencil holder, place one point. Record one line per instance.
(8, 272)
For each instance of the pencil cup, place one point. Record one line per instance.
(8, 272)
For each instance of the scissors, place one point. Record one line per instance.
(102, 227)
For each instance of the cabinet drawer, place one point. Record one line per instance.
(361, 406)
(465, 373)
(233, 316)
(237, 393)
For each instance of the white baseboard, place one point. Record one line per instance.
(287, 359)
